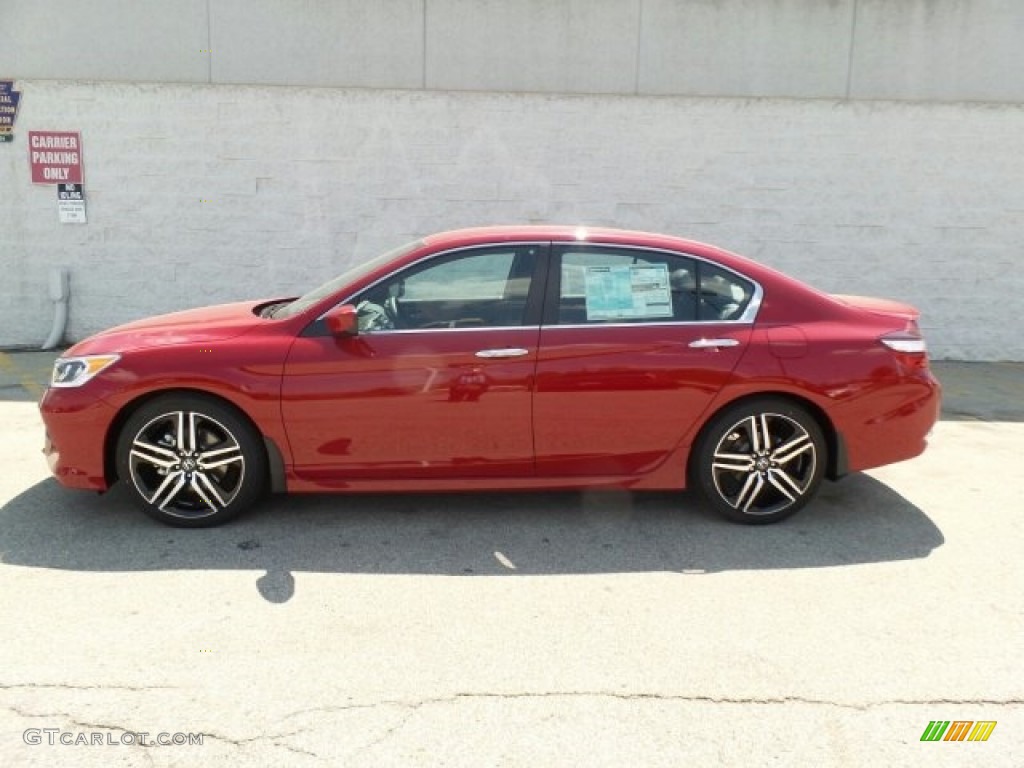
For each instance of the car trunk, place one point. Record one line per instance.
(886, 307)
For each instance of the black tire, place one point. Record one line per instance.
(191, 461)
(750, 482)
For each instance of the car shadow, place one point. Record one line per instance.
(859, 520)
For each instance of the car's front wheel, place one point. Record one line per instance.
(760, 461)
(191, 461)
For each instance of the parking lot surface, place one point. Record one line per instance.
(541, 629)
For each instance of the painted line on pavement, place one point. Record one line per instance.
(27, 382)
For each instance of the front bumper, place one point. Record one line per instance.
(77, 424)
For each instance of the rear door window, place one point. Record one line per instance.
(604, 284)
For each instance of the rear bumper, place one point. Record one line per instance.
(76, 428)
(899, 423)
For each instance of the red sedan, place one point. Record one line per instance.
(501, 358)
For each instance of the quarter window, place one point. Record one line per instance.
(723, 295)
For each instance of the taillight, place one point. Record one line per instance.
(910, 348)
(905, 344)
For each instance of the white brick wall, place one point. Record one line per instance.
(201, 194)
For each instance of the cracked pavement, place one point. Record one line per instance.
(598, 629)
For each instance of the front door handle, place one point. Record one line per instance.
(501, 353)
(713, 343)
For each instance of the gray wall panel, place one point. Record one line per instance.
(946, 50)
(583, 46)
(105, 40)
(746, 47)
(318, 42)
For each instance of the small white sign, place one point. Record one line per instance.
(71, 203)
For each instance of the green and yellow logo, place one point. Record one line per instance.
(958, 730)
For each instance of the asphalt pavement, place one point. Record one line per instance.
(531, 629)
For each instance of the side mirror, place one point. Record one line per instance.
(342, 321)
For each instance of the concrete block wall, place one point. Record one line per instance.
(200, 194)
(942, 50)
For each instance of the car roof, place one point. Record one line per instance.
(564, 233)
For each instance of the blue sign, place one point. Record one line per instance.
(9, 100)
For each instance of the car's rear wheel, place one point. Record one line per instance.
(191, 461)
(760, 461)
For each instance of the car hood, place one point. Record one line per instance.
(880, 306)
(198, 326)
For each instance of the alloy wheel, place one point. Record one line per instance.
(186, 464)
(764, 464)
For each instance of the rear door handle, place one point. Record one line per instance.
(500, 353)
(713, 343)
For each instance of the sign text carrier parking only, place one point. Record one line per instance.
(55, 157)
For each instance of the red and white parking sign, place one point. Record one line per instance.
(55, 157)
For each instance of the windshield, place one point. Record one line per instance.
(307, 300)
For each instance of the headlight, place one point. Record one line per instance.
(75, 371)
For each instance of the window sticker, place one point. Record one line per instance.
(627, 292)
(572, 280)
